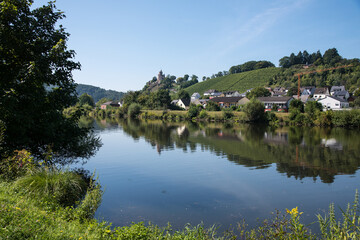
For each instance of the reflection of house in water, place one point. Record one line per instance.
(331, 143)
(180, 130)
(277, 137)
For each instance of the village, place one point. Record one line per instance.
(332, 98)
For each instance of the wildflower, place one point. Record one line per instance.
(294, 211)
(17, 208)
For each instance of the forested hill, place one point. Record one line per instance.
(98, 93)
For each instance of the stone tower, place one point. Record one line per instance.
(160, 77)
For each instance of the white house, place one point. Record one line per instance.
(195, 96)
(183, 103)
(321, 93)
(333, 103)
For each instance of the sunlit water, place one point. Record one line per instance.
(184, 173)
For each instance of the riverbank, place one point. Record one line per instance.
(22, 217)
(29, 212)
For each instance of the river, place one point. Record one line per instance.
(221, 174)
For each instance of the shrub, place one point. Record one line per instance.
(193, 111)
(227, 114)
(254, 110)
(203, 114)
(297, 104)
(20, 163)
(211, 106)
(134, 110)
(313, 108)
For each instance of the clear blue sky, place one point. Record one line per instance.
(122, 44)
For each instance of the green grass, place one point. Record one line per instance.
(239, 82)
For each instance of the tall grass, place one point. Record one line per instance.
(61, 186)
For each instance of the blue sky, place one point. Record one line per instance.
(122, 44)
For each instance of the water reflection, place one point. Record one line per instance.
(317, 153)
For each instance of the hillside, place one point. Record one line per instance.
(98, 93)
(239, 81)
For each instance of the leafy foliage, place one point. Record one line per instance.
(86, 99)
(134, 110)
(36, 83)
(250, 65)
(254, 110)
(258, 92)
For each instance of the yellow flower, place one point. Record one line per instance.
(294, 211)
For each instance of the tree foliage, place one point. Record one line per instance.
(258, 92)
(249, 66)
(254, 110)
(86, 99)
(36, 82)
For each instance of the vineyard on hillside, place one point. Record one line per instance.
(239, 81)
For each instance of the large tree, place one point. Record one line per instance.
(36, 83)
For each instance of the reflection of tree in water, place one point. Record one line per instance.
(297, 152)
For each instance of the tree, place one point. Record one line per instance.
(86, 99)
(258, 92)
(182, 94)
(331, 56)
(36, 83)
(254, 110)
(297, 104)
(193, 111)
(313, 108)
(134, 110)
(212, 106)
(194, 77)
(186, 77)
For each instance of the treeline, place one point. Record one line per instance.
(330, 57)
(98, 93)
(249, 66)
(170, 82)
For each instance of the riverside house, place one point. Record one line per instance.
(282, 103)
(226, 102)
(110, 104)
(333, 103)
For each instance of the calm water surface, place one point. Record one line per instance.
(219, 174)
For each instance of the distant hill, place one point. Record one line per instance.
(238, 81)
(98, 93)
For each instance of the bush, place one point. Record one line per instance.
(211, 106)
(227, 114)
(17, 165)
(297, 104)
(203, 114)
(193, 111)
(313, 108)
(134, 110)
(254, 110)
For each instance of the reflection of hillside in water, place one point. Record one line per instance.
(297, 152)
